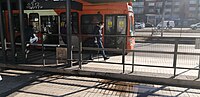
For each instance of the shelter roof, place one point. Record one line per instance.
(106, 1)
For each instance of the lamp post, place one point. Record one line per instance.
(163, 13)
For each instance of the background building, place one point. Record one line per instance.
(139, 11)
(183, 12)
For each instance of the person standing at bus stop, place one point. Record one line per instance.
(167, 24)
(98, 39)
(30, 37)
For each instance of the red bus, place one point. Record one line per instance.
(50, 19)
(118, 19)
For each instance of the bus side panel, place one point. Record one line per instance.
(130, 32)
(110, 11)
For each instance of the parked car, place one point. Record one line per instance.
(195, 26)
(166, 24)
(139, 25)
(149, 25)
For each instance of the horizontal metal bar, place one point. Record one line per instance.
(116, 63)
(145, 51)
(46, 45)
(164, 52)
(188, 53)
(58, 34)
(144, 65)
(106, 49)
(142, 51)
(113, 49)
(162, 66)
(158, 37)
(109, 63)
(149, 65)
(167, 31)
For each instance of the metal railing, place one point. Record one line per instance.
(175, 41)
(179, 49)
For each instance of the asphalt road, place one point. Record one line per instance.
(175, 32)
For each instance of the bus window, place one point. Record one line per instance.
(34, 20)
(25, 20)
(16, 26)
(110, 25)
(16, 22)
(115, 25)
(88, 22)
(121, 24)
(74, 22)
(49, 24)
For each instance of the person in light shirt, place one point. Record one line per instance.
(98, 39)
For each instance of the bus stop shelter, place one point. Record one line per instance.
(21, 5)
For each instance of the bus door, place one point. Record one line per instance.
(115, 25)
(74, 29)
(49, 26)
(88, 23)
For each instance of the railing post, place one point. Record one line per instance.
(21, 15)
(2, 34)
(11, 30)
(43, 53)
(199, 67)
(80, 52)
(123, 52)
(133, 58)
(69, 33)
(175, 55)
(152, 32)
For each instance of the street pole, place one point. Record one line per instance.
(2, 34)
(21, 18)
(163, 13)
(69, 33)
(11, 30)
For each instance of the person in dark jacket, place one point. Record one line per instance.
(167, 24)
(98, 39)
(29, 33)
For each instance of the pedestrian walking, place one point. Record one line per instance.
(98, 39)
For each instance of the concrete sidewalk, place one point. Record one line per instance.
(93, 69)
(19, 84)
